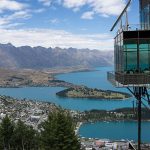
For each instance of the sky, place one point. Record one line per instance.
(62, 23)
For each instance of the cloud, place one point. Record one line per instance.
(12, 10)
(8, 19)
(56, 38)
(108, 7)
(11, 5)
(19, 15)
(88, 15)
(40, 10)
(46, 2)
(104, 8)
(55, 21)
(74, 3)
(12, 25)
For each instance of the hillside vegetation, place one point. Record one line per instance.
(85, 92)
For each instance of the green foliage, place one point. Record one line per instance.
(24, 136)
(85, 92)
(58, 132)
(6, 133)
(17, 136)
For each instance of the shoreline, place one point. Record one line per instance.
(81, 122)
(54, 107)
(45, 78)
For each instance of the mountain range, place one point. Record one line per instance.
(41, 57)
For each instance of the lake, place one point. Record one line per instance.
(93, 79)
(115, 130)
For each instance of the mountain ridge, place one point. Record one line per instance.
(41, 57)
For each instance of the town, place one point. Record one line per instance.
(33, 113)
(30, 112)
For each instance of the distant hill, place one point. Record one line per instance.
(40, 57)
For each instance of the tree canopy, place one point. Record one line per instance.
(56, 133)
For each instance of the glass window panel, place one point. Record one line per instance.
(143, 47)
(130, 41)
(144, 60)
(130, 61)
(144, 54)
(144, 14)
(125, 61)
(144, 41)
(130, 45)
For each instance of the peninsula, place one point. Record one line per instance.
(85, 92)
(12, 78)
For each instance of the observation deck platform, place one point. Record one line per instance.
(119, 79)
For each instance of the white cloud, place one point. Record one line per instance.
(54, 38)
(40, 10)
(55, 21)
(6, 20)
(108, 7)
(46, 2)
(103, 7)
(12, 25)
(11, 5)
(17, 10)
(19, 15)
(87, 15)
(74, 3)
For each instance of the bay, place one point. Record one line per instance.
(93, 79)
(48, 94)
(115, 130)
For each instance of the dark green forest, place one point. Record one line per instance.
(56, 133)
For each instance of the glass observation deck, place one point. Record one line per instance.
(132, 52)
(132, 59)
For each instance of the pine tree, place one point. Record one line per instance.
(58, 132)
(6, 133)
(48, 132)
(24, 136)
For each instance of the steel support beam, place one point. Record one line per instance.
(138, 93)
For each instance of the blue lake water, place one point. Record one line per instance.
(115, 130)
(48, 94)
(93, 79)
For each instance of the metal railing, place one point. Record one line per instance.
(134, 27)
(119, 79)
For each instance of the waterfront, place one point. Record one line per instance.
(115, 130)
(48, 94)
(93, 79)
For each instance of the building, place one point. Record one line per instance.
(132, 57)
(132, 52)
(144, 14)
